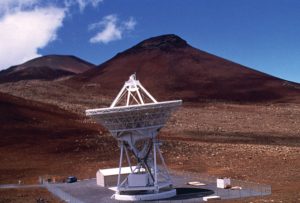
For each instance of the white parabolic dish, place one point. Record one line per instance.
(124, 118)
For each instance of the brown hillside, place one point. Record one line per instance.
(38, 139)
(46, 67)
(171, 68)
(22, 117)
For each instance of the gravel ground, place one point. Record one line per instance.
(253, 142)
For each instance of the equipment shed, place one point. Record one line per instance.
(109, 177)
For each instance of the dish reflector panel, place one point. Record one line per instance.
(134, 116)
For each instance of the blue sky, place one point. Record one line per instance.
(261, 34)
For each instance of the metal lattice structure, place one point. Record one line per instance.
(134, 119)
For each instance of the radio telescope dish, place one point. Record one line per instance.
(134, 119)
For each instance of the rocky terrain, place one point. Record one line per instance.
(257, 143)
(234, 122)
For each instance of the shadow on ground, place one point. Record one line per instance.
(191, 193)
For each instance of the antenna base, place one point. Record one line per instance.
(165, 194)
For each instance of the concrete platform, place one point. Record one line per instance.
(88, 191)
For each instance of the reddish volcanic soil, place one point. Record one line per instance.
(27, 195)
(259, 143)
(39, 139)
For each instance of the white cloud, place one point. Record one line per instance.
(29, 25)
(24, 32)
(130, 24)
(15, 5)
(110, 32)
(82, 4)
(111, 29)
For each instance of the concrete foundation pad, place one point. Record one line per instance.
(146, 197)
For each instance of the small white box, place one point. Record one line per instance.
(223, 183)
(138, 179)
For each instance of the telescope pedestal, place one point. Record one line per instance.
(164, 194)
(147, 180)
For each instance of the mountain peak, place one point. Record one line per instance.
(47, 67)
(172, 69)
(163, 42)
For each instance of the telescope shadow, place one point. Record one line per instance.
(190, 193)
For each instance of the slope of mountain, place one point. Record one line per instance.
(170, 68)
(26, 121)
(19, 113)
(38, 139)
(45, 67)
